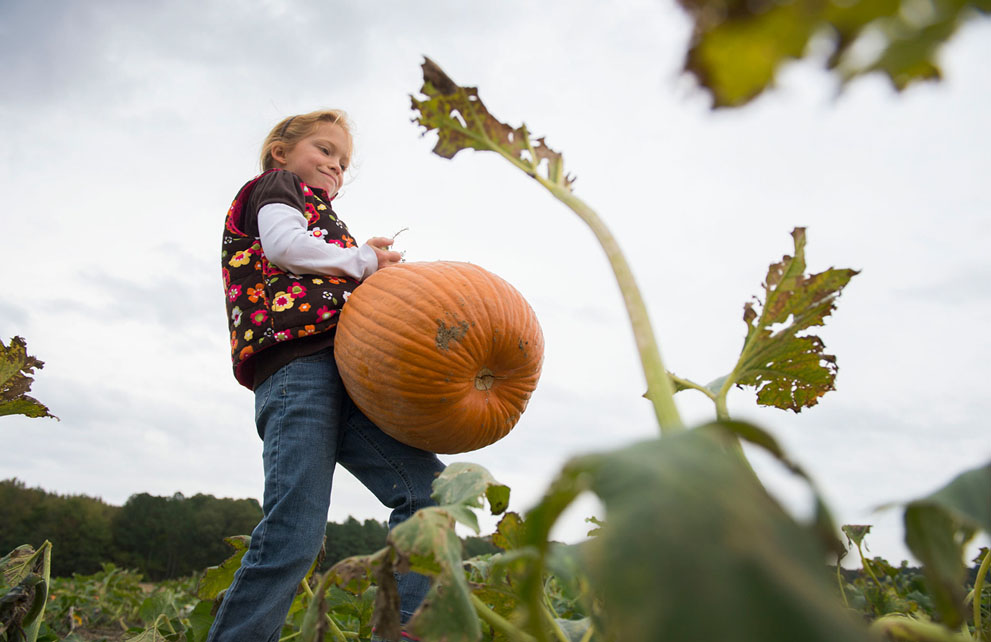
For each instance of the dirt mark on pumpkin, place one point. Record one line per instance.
(447, 334)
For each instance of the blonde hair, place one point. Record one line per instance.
(289, 131)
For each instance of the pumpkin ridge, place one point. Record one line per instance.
(519, 317)
(483, 324)
(502, 364)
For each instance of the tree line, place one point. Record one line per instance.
(162, 537)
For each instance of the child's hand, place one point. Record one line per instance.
(381, 245)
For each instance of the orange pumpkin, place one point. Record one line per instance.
(441, 355)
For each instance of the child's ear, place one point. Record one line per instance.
(279, 153)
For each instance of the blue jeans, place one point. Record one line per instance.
(309, 424)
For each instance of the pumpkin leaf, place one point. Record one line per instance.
(855, 533)
(967, 498)
(16, 368)
(737, 48)
(461, 487)
(789, 370)
(200, 621)
(217, 578)
(512, 561)
(23, 561)
(431, 546)
(25, 574)
(425, 543)
(938, 526)
(463, 122)
(737, 59)
(509, 532)
(21, 604)
(684, 509)
(354, 575)
(823, 525)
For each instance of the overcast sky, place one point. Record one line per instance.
(127, 129)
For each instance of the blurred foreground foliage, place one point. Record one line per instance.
(738, 46)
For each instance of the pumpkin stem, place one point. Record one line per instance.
(484, 379)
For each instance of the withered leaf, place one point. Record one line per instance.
(789, 370)
(16, 368)
(462, 121)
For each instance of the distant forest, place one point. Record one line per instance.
(162, 537)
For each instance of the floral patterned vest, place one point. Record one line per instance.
(266, 305)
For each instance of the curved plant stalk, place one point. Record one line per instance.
(335, 631)
(306, 587)
(311, 629)
(549, 615)
(554, 626)
(660, 390)
(839, 581)
(499, 623)
(868, 567)
(463, 122)
(687, 384)
(839, 575)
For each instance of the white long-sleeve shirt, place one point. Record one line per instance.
(289, 244)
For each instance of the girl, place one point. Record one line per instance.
(289, 265)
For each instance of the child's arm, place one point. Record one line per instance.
(289, 244)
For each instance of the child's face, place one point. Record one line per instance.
(319, 159)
